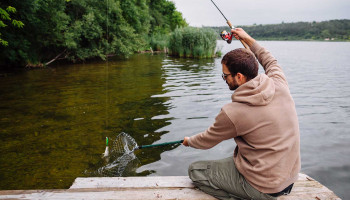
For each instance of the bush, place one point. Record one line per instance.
(193, 42)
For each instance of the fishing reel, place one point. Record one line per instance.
(226, 36)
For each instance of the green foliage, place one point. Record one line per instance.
(96, 33)
(339, 30)
(164, 17)
(5, 15)
(193, 42)
(10, 9)
(176, 20)
(83, 29)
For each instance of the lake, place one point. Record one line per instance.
(53, 121)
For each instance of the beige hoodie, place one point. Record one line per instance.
(263, 122)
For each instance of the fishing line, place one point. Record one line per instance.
(227, 36)
(107, 73)
(220, 12)
(106, 153)
(121, 154)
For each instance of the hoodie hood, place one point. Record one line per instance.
(257, 92)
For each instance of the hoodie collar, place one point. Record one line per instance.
(257, 92)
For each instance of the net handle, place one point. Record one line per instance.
(161, 144)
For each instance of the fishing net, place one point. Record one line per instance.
(123, 144)
(121, 156)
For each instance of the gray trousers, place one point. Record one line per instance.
(221, 179)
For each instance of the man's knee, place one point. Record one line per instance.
(193, 166)
(198, 171)
(199, 174)
(191, 170)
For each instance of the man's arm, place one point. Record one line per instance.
(222, 129)
(265, 58)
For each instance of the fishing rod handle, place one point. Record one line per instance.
(232, 27)
(161, 144)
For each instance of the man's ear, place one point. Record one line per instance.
(241, 78)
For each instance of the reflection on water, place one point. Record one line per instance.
(54, 121)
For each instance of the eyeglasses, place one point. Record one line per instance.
(224, 76)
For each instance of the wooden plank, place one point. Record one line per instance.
(110, 193)
(309, 189)
(150, 181)
(153, 187)
(304, 188)
(134, 182)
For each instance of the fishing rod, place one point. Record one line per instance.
(160, 144)
(224, 34)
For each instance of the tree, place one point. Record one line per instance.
(326, 33)
(164, 17)
(176, 20)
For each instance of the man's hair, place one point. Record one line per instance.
(242, 61)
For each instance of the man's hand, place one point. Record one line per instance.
(185, 142)
(240, 34)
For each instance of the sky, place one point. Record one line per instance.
(248, 12)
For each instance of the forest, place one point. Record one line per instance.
(336, 30)
(35, 33)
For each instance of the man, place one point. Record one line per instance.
(263, 122)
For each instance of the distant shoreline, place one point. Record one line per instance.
(332, 31)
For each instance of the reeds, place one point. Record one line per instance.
(158, 42)
(193, 42)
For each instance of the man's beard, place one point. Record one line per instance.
(233, 86)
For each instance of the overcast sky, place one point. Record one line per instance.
(248, 12)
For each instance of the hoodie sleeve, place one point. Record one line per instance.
(266, 59)
(221, 130)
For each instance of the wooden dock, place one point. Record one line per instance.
(155, 187)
